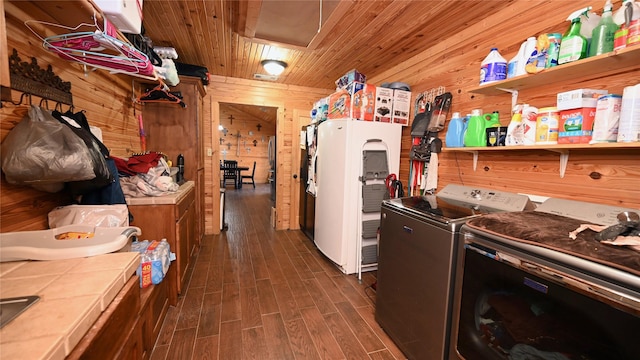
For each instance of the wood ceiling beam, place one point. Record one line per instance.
(335, 17)
(250, 17)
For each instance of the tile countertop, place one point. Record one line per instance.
(73, 293)
(172, 198)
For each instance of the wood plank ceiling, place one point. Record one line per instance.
(368, 35)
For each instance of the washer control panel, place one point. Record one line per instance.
(590, 212)
(501, 200)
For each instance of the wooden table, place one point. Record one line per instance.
(239, 170)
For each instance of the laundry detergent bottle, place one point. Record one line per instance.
(515, 130)
(603, 34)
(456, 130)
(573, 46)
(476, 134)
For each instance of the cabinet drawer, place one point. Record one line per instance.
(133, 346)
(155, 304)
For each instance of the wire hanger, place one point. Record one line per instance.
(160, 94)
(99, 48)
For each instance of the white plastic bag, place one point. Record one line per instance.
(168, 72)
(94, 215)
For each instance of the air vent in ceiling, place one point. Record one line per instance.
(265, 77)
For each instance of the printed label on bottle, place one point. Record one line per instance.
(633, 37)
(570, 50)
(620, 39)
(493, 72)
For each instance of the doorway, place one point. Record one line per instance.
(246, 133)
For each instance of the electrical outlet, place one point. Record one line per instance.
(209, 152)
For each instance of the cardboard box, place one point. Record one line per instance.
(579, 98)
(576, 125)
(363, 97)
(348, 78)
(384, 105)
(356, 101)
(401, 107)
(339, 105)
(126, 15)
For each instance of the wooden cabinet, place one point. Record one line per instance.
(113, 335)
(130, 325)
(173, 130)
(154, 305)
(175, 222)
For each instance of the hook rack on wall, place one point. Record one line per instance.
(31, 79)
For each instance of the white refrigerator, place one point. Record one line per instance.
(341, 208)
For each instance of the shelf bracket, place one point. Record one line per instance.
(514, 96)
(564, 159)
(475, 158)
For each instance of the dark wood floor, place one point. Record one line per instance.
(257, 293)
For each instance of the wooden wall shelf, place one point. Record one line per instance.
(562, 149)
(620, 60)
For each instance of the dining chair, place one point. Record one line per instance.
(250, 177)
(230, 172)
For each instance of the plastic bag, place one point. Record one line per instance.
(43, 153)
(168, 72)
(80, 126)
(155, 258)
(94, 215)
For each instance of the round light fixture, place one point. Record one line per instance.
(274, 67)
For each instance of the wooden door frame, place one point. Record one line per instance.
(294, 211)
(280, 206)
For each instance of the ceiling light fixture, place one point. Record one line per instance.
(274, 67)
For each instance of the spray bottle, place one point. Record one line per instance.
(602, 35)
(627, 16)
(573, 46)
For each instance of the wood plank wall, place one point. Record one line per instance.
(246, 153)
(603, 176)
(453, 63)
(286, 99)
(105, 98)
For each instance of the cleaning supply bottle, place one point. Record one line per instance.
(513, 63)
(456, 130)
(493, 67)
(476, 133)
(602, 35)
(625, 17)
(629, 11)
(515, 130)
(529, 49)
(573, 46)
(491, 119)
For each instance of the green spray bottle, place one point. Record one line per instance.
(573, 46)
(602, 35)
